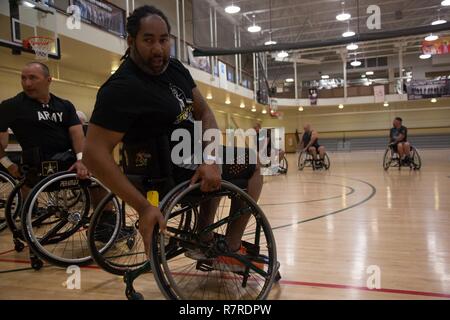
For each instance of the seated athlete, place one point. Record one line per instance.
(398, 140)
(309, 142)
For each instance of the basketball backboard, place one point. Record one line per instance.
(23, 19)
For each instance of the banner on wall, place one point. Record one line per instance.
(425, 89)
(378, 92)
(313, 95)
(201, 63)
(439, 46)
(104, 15)
(223, 81)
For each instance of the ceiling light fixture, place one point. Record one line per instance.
(431, 37)
(352, 46)
(232, 9)
(425, 56)
(343, 16)
(282, 54)
(254, 28)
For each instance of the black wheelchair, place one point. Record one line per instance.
(183, 264)
(54, 218)
(392, 159)
(7, 184)
(305, 159)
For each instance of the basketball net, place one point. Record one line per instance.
(40, 45)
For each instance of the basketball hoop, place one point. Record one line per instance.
(41, 46)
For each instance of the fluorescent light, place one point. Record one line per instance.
(325, 76)
(431, 37)
(352, 46)
(363, 76)
(438, 21)
(356, 63)
(254, 29)
(264, 111)
(282, 54)
(433, 100)
(289, 80)
(300, 108)
(227, 100)
(445, 3)
(343, 16)
(242, 106)
(348, 33)
(270, 42)
(341, 106)
(28, 4)
(425, 56)
(232, 9)
(253, 109)
(386, 104)
(209, 96)
(369, 73)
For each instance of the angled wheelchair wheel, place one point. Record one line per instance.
(326, 162)
(54, 227)
(301, 160)
(416, 162)
(13, 207)
(283, 165)
(114, 241)
(186, 266)
(387, 159)
(7, 184)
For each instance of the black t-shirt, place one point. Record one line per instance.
(37, 125)
(394, 133)
(143, 106)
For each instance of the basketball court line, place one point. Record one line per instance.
(370, 196)
(292, 283)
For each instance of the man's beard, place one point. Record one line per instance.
(145, 65)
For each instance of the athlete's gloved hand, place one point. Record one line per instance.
(14, 171)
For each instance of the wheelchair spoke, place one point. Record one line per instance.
(52, 232)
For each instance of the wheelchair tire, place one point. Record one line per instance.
(415, 158)
(112, 253)
(326, 162)
(12, 211)
(7, 184)
(207, 277)
(301, 160)
(283, 165)
(387, 159)
(48, 206)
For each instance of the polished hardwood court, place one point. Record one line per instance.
(332, 228)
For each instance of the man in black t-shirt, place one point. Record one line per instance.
(398, 139)
(148, 97)
(44, 125)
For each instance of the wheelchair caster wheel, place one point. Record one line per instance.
(130, 243)
(133, 295)
(36, 264)
(18, 246)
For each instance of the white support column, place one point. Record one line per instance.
(211, 31)
(127, 4)
(344, 71)
(254, 76)
(215, 33)
(400, 67)
(178, 31)
(236, 58)
(132, 5)
(240, 56)
(184, 30)
(295, 81)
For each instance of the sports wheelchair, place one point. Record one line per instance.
(392, 159)
(54, 218)
(7, 184)
(183, 264)
(305, 159)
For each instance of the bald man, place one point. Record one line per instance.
(309, 142)
(45, 125)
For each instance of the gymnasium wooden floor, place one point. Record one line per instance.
(330, 227)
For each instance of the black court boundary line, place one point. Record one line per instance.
(371, 195)
(352, 190)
